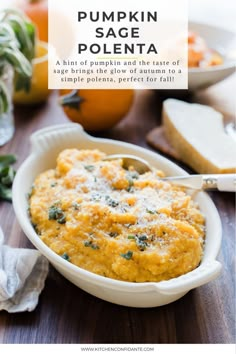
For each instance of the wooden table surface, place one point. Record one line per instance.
(66, 314)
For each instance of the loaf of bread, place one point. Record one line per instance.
(197, 134)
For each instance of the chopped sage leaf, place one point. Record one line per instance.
(134, 174)
(131, 183)
(35, 226)
(111, 202)
(131, 237)
(96, 197)
(95, 247)
(56, 213)
(150, 211)
(113, 234)
(76, 205)
(140, 242)
(128, 255)
(128, 225)
(141, 245)
(91, 245)
(65, 257)
(89, 168)
(143, 237)
(31, 191)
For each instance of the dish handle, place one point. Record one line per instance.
(48, 137)
(200, 276)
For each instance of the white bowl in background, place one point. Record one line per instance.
(224, 42)
(46, 145)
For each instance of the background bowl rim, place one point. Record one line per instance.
(228, 64)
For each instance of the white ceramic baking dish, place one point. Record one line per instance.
(46, 144)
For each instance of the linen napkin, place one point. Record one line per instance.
(22, 277)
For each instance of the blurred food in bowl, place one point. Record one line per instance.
(39, 91)
(222, 42)
(96, 110)
(199, 55)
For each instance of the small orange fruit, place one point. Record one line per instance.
(96, 109)
(37, 11)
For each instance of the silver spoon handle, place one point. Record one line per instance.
(224, 183)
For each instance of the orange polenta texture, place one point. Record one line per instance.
(114, 222)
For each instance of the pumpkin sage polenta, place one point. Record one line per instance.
(115, 222)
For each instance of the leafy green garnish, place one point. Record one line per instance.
(35, 226)
(65, 256)
(56, 213)
(96, 197)
(131, 184)
(6, 160)
(142, 238)
(131, 237)
(134, 174)
(128, 255)
(140, 241)
(113, 234)
(31, 191)
(76, 206)
(91, 244)
(111, 202)
(89, 168)
(150, 211)
(7, 174)
(5, 193)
